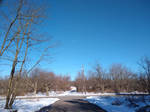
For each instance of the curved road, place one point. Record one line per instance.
(71, 104)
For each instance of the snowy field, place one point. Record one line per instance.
(120, 103)
(29, 105)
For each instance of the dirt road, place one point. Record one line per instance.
(71, 104)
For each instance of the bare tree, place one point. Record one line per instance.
(7, 39)
(3, 85)
(63, 82)
(121, 76)
(100, 76)
(19, 40)
(81, 81)
(145, 73)
(92, 82)
(97, 76)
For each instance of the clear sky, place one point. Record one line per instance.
(107, 31)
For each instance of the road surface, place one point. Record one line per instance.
(71, 104)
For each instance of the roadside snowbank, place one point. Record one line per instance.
(119, 103)
(29, 105)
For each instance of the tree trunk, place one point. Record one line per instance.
(102, 88)
(47, 93)
(10, 88)
(35, 88)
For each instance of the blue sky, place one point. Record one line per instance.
(107, 31)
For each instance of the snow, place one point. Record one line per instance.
(105, 102)
(29, 105)
(73, 93)
(67, 93)
(31, 102)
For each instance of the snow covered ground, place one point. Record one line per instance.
(61, 93)
(29, 105)
(120, 103)
(105, 100)
(70, 93)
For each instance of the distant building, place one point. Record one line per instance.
(73, 89)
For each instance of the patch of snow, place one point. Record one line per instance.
(29, 105)
(105, 102)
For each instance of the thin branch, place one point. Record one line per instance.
(9, 28)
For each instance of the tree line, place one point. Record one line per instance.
(117, 78)
(38, 81)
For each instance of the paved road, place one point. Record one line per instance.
(71, 104)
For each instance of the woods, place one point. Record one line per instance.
(118, 78)
(39, 81)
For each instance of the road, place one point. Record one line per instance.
(71, 104)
